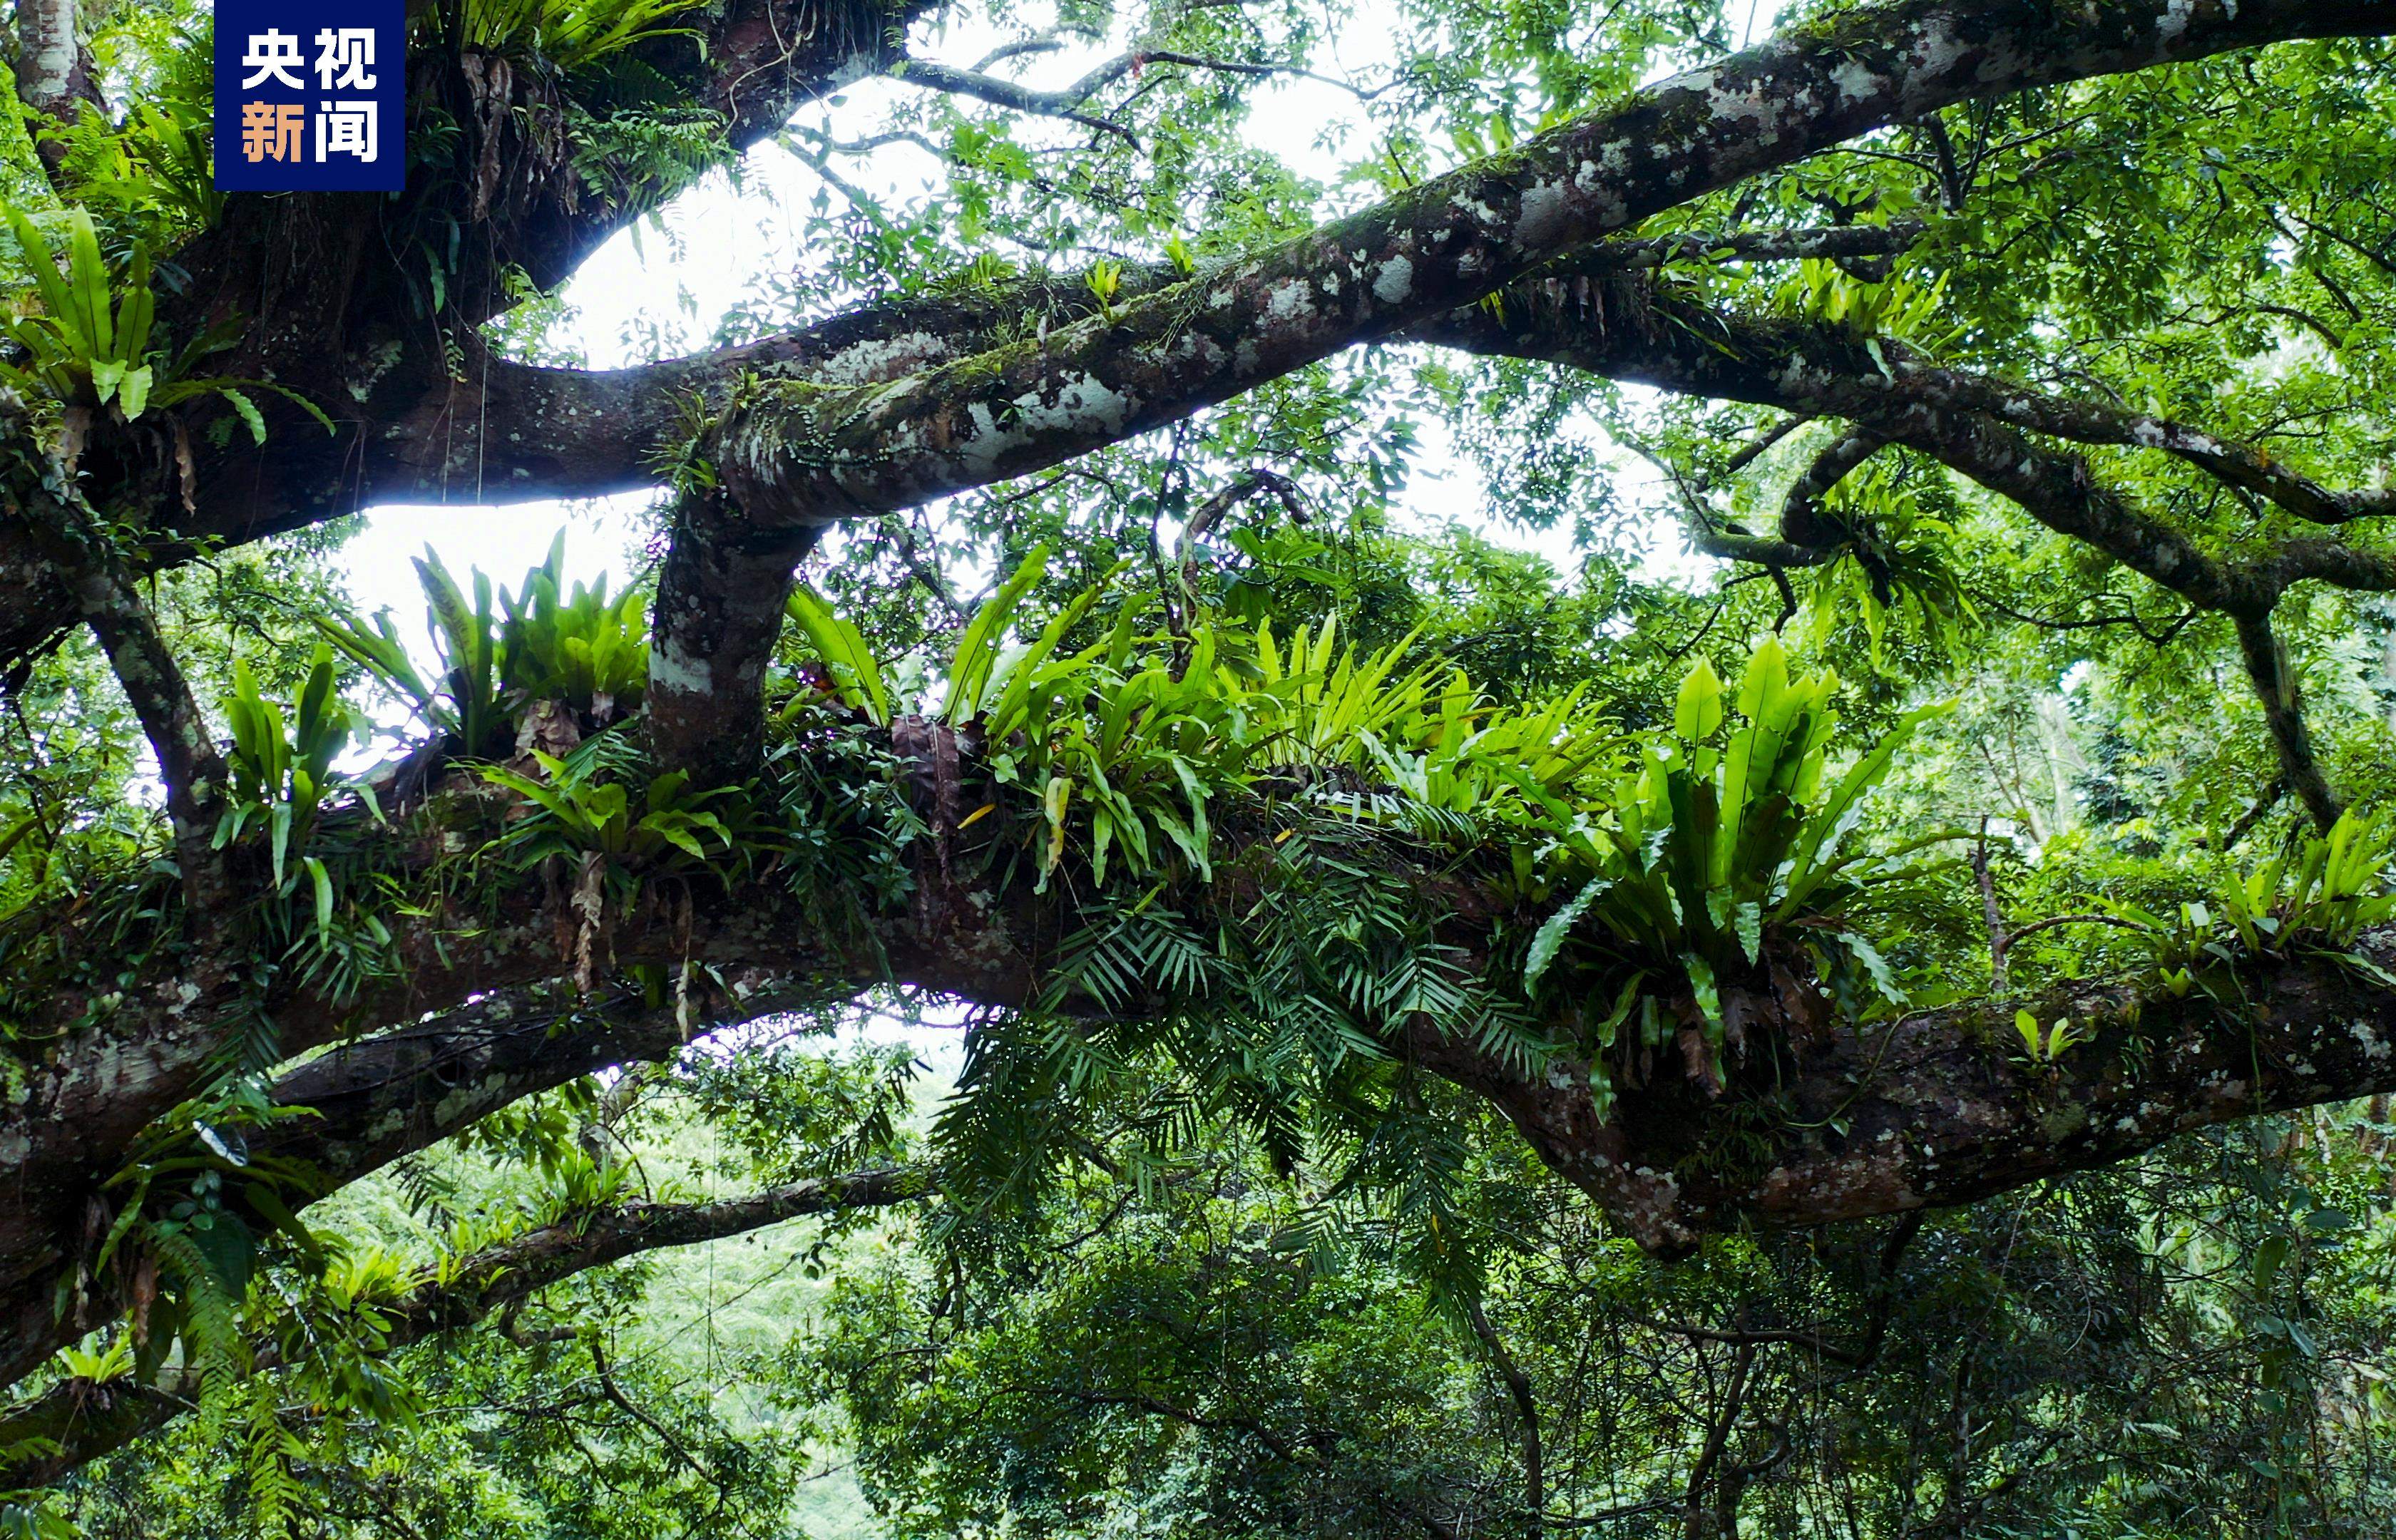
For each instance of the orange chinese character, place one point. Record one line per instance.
(272, 131)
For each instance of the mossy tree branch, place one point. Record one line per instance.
(75, 1422)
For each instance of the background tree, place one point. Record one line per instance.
(1377, 946)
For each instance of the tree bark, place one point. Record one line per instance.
(75, 1422)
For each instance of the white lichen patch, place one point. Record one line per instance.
(675, 671)
(1546, 215)
(1394, 282)
(1082, 406)
(1854, 82)
(1477, 211)
(1289, 300)
(881, 358)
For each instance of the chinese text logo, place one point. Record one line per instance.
(302, 106)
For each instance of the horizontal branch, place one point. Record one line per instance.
(1639, 333)
(2232, 463)
(805, 454)
(373, 1099)
(76, 1421)
(1063, 104)
(334, 300)
(1872, 1118)
(414, 431)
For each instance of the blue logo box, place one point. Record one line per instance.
(308, 96)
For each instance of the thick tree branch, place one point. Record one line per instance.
(1931, 1111)
(76, 1421)
(365, 305)
(802, 451)
(79, 556)
(1875, 1118)
(54, 74)
(1627, 332)
(721, 595)
(803, 454)
(373, 1100)
(2232, 463)
(1843, 242)
(1802, 518)
(503, 432)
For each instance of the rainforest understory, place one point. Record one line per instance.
(1935, 942)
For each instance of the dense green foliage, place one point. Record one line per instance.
(1294, 772)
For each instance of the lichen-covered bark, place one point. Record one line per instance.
(890, 406)
(336, 295)
(53, 70)
(721, 595)
(1630, 332)
(1943, 1109)
(804, 452)
(90, 1076)
(1874, 1117)
(877, 410)
(375, 1098)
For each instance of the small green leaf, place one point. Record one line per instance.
(324, 881)
(247, 411)
(1550, 938)
(1700, 709)
(133, 391)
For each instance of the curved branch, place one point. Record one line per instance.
(375, 1100)
(2233, 464)
(81, 558)
(1802, 519)
(805, 454)
(76, 1421)
(2275, 685)
(1168, 350)
(1061, 104)
(1628, 331)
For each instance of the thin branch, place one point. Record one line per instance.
(1210, 513)
(1760, 245)
(624, 1403)
(1061, 104)
(1859, 1357)
(2057, 920)
(1802, 519)
(2276, 685)
(1994, 913)
(1291, 71)
(75, 1421)
(1748, 454)
(2179, 622)
(2307, 320)
(2253, 816)
(1005, 51)
(1717, 1439)
(189, 763)
(1526, 1408)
